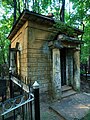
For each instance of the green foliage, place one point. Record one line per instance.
(85, 50)
(86, 117)
(46, 6)
(4, 47)
(79, 17)
(64, 28)
(5, 27)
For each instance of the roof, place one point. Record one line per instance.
(28, 15)
(32, 16)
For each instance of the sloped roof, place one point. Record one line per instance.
(32, 16)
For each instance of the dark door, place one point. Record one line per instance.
(63, 66)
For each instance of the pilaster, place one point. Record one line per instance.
(56, 83)
(77, 70)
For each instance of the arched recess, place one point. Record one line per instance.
(15, 59)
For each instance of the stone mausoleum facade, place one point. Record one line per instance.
(46, 54)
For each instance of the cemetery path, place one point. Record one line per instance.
(71, 108)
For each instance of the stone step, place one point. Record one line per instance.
(66, 88)
(68, 93)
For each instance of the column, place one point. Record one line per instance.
(56, 83)
(77, 70)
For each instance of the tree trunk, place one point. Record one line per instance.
(62, 12)
(15, 8)
(19, 6)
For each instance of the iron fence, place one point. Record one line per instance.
(85, 72)
(21, 107)
(18, 108)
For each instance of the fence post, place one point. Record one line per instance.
(3, 117)
(36, 100)
(11, 88)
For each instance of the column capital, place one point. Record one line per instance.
(55, 44)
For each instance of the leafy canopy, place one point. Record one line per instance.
(78, 16)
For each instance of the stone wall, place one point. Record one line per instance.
(21, 37)
(39, 57)
(37, 60)
(35, 55)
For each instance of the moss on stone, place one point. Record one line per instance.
(64, 28)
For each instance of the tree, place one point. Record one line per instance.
(5, 26)
(62, 11)
(78, 16)
(15, 8)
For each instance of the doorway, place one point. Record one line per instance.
(63, 66)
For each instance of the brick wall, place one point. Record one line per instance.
(39, 57)
(21, 37)
(35, 56)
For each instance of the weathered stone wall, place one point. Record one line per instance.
(37, 62)
(21, 37)
(39, 57)
(35, 55)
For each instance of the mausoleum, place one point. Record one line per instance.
(41, 51)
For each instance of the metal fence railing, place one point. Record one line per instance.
(21, 107)
(14, 108)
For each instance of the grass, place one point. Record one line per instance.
(87, 117)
